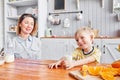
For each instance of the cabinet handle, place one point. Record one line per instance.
(97, 46)
(103, 49)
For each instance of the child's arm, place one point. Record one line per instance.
(84, 61)
(81, 62)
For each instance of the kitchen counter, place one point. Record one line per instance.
(101, 37)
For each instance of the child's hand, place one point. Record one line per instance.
(68, 64)
(55, 64)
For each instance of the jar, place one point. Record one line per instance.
(48, 32)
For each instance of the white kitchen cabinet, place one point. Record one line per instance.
(97, 43)
(55, 48)
(72, 45)
(109, 50)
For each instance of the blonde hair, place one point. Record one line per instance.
(22, 17)
(86, 30)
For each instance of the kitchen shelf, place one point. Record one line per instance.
(11, 31)
(116, 6)
(23, 3)
(13, 17)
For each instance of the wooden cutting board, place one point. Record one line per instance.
(76, 74)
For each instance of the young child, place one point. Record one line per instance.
(84, 54)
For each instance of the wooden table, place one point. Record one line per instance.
(23, 69)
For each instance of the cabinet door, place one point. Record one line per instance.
(109, 50)
(54, 49)
(97, 43)
(72, 45)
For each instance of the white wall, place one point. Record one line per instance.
(101, 18)
(1, 24)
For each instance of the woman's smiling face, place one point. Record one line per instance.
(27, 25)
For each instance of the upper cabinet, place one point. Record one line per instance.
(116, 6)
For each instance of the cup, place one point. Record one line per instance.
(9, 52)
(9, 58)
(2, 60)
(68, 58)
(78, 16)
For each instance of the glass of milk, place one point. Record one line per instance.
(9, 52)
(68, 58)
(2, 60)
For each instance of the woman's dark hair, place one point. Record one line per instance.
(22, 17)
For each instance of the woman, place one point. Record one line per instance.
(25, 44)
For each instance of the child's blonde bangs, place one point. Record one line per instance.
(85, 29)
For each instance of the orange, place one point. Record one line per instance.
(107, 75)
(94, 70)
(113, 71)
(116, 64)
(84, 70)
(119, 71)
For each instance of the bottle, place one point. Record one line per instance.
(90, 24)
(9, 53)
(49, 32)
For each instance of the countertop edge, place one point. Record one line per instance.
(64, 37)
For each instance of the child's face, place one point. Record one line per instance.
(84, 40)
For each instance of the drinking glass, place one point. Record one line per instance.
(2, 60)
(9, 52)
